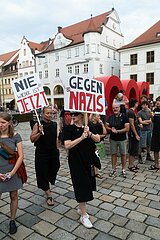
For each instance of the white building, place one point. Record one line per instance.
(88, 48)
(140, 59)
(8, 73)
(26, 59)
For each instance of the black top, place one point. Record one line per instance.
(131, 114)
(48, 141)
(118, 122)
(156, 121)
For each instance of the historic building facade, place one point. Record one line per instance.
(88, 48)
(140, 59)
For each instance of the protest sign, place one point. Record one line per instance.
(84, 95)
(29, 93)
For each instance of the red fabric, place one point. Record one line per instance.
(21, 172)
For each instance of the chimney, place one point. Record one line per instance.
(59, 29)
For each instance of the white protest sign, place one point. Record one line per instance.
(84, 95)
(29, 93)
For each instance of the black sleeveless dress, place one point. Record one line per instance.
(80, 160)
(47, 156)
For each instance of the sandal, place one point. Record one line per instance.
(136, 167)
(153, 167)
(50, 201)
(132, 169)
(98, 176)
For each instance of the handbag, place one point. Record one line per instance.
(96, 160)
(21, 172)
(101, 149)
(12, 159)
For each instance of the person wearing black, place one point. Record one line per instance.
(155, 141)
(47, 163)
(117, 126)
(95, 120)
(133, 134)
(79, 140)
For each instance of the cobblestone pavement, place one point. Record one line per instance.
(122, 208)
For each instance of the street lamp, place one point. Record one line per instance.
(2, 97)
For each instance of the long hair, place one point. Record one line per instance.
(7, 117)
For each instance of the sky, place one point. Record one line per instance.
(38, 20)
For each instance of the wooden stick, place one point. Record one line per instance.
(38, 120)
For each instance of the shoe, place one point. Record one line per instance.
(85, 221)
(12, 227)
(98, 176)
(140, 159)
(50, 201)
(113, 173)
(123, 173)
(133, 169)
(153, 167)
(149, 158)
(80, 213)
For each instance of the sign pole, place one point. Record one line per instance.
(38, 119)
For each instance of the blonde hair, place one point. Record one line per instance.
(7, 117)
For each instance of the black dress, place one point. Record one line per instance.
(80, 160)
(47, 156)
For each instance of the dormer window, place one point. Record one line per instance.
(158, 34)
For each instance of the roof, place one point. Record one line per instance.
(7, 56)
(36, 46)
(75, 32)
(152, 35)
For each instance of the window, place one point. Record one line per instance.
(30, 63)
(57, 72)
(23, 64)
(57, 56)
(46, 74)
(114, 55)
(101, 68)
(85, 68)
(24, 52)
(27, 63)
(150, 57)
(58, 90)
(69, 53)
(76, 52)
(31, 72)
(93, 48)
(69, 69)
(133, 59)
(20, 65)
(150, 78)
(87, 48)
(108, 53)
(77, 69)
(112, 71)
(40, 75)
(133, 76)
(9, 81)
(26, 73)
(21, 75)
(98, 49)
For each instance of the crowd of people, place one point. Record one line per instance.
(133, 131)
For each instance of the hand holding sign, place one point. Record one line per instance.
(84, 95)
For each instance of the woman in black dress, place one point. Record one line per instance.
(79, 140)
(47, 163)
